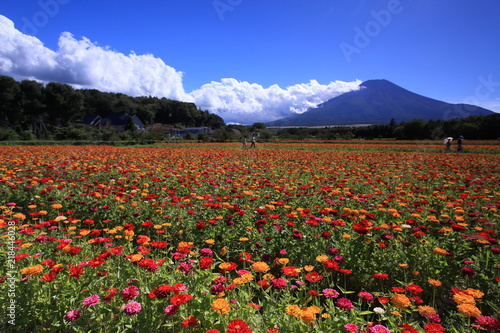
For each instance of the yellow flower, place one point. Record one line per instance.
(309, 268)
(243, 239)
(56, 206)
(26, 245)
(223, 251)
(210, 241)
(396, 313)
(403, 265)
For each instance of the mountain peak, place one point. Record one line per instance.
(378, 102)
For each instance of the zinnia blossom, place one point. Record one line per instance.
(400, 301)
(91, 300)
(469, 310)
(129, 293)
(433, 328)
(171, 309)
(344, 304)
(73, 315)
(279, 283)
(132, 308)
(221, 306)
(351, 328)
(190, 322)
(378, 329)
(238, 326)
(330, 293)
(260, 266)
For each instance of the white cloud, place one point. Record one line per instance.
(247, 103)
(84, 64)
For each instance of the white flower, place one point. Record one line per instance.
(379, 310)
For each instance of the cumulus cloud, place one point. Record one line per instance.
(87, 65)
(84, 64)
(247, 103)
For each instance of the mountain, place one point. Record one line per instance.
(377, 102)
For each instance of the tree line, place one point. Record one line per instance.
(32, 110)
(472, 128)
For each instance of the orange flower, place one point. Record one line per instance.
(260, 266)
(435, 283)
(221, 306)
(32, 270)
(469, 310)
(426, 311)
(400, 301)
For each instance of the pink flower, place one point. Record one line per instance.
(351, 328)
(330, 293)
(366, 296)
(344, 304)
(379, 329)
(130, 293)
(171, 309)
(132, 308)
(279, 283)
(91, 300)
(73, 315)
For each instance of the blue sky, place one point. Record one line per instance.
(253, 60)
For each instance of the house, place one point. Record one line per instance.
(118, 121)
(183, 132)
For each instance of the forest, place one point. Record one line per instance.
(30, 110)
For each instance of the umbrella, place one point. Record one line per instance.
(448, 138)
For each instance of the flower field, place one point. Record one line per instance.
(286, 238)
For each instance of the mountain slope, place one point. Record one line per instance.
(377, 102)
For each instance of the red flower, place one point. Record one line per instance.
(206, 262)
(111, 294)
(414, 289)
(290, 271)
(238, 326)
(75, 272)
(313, 277)
(381, 276)
(180, 299)
(159, 244)
(331, 265)
(161, 292)
(433, 328)
(190, 322)
(49, 277)
(407, 329)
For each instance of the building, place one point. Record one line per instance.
(183, 132)
(118, 121)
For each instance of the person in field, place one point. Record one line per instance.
(244, 142)
(253, 140)
(459, 144)
(447, 143)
